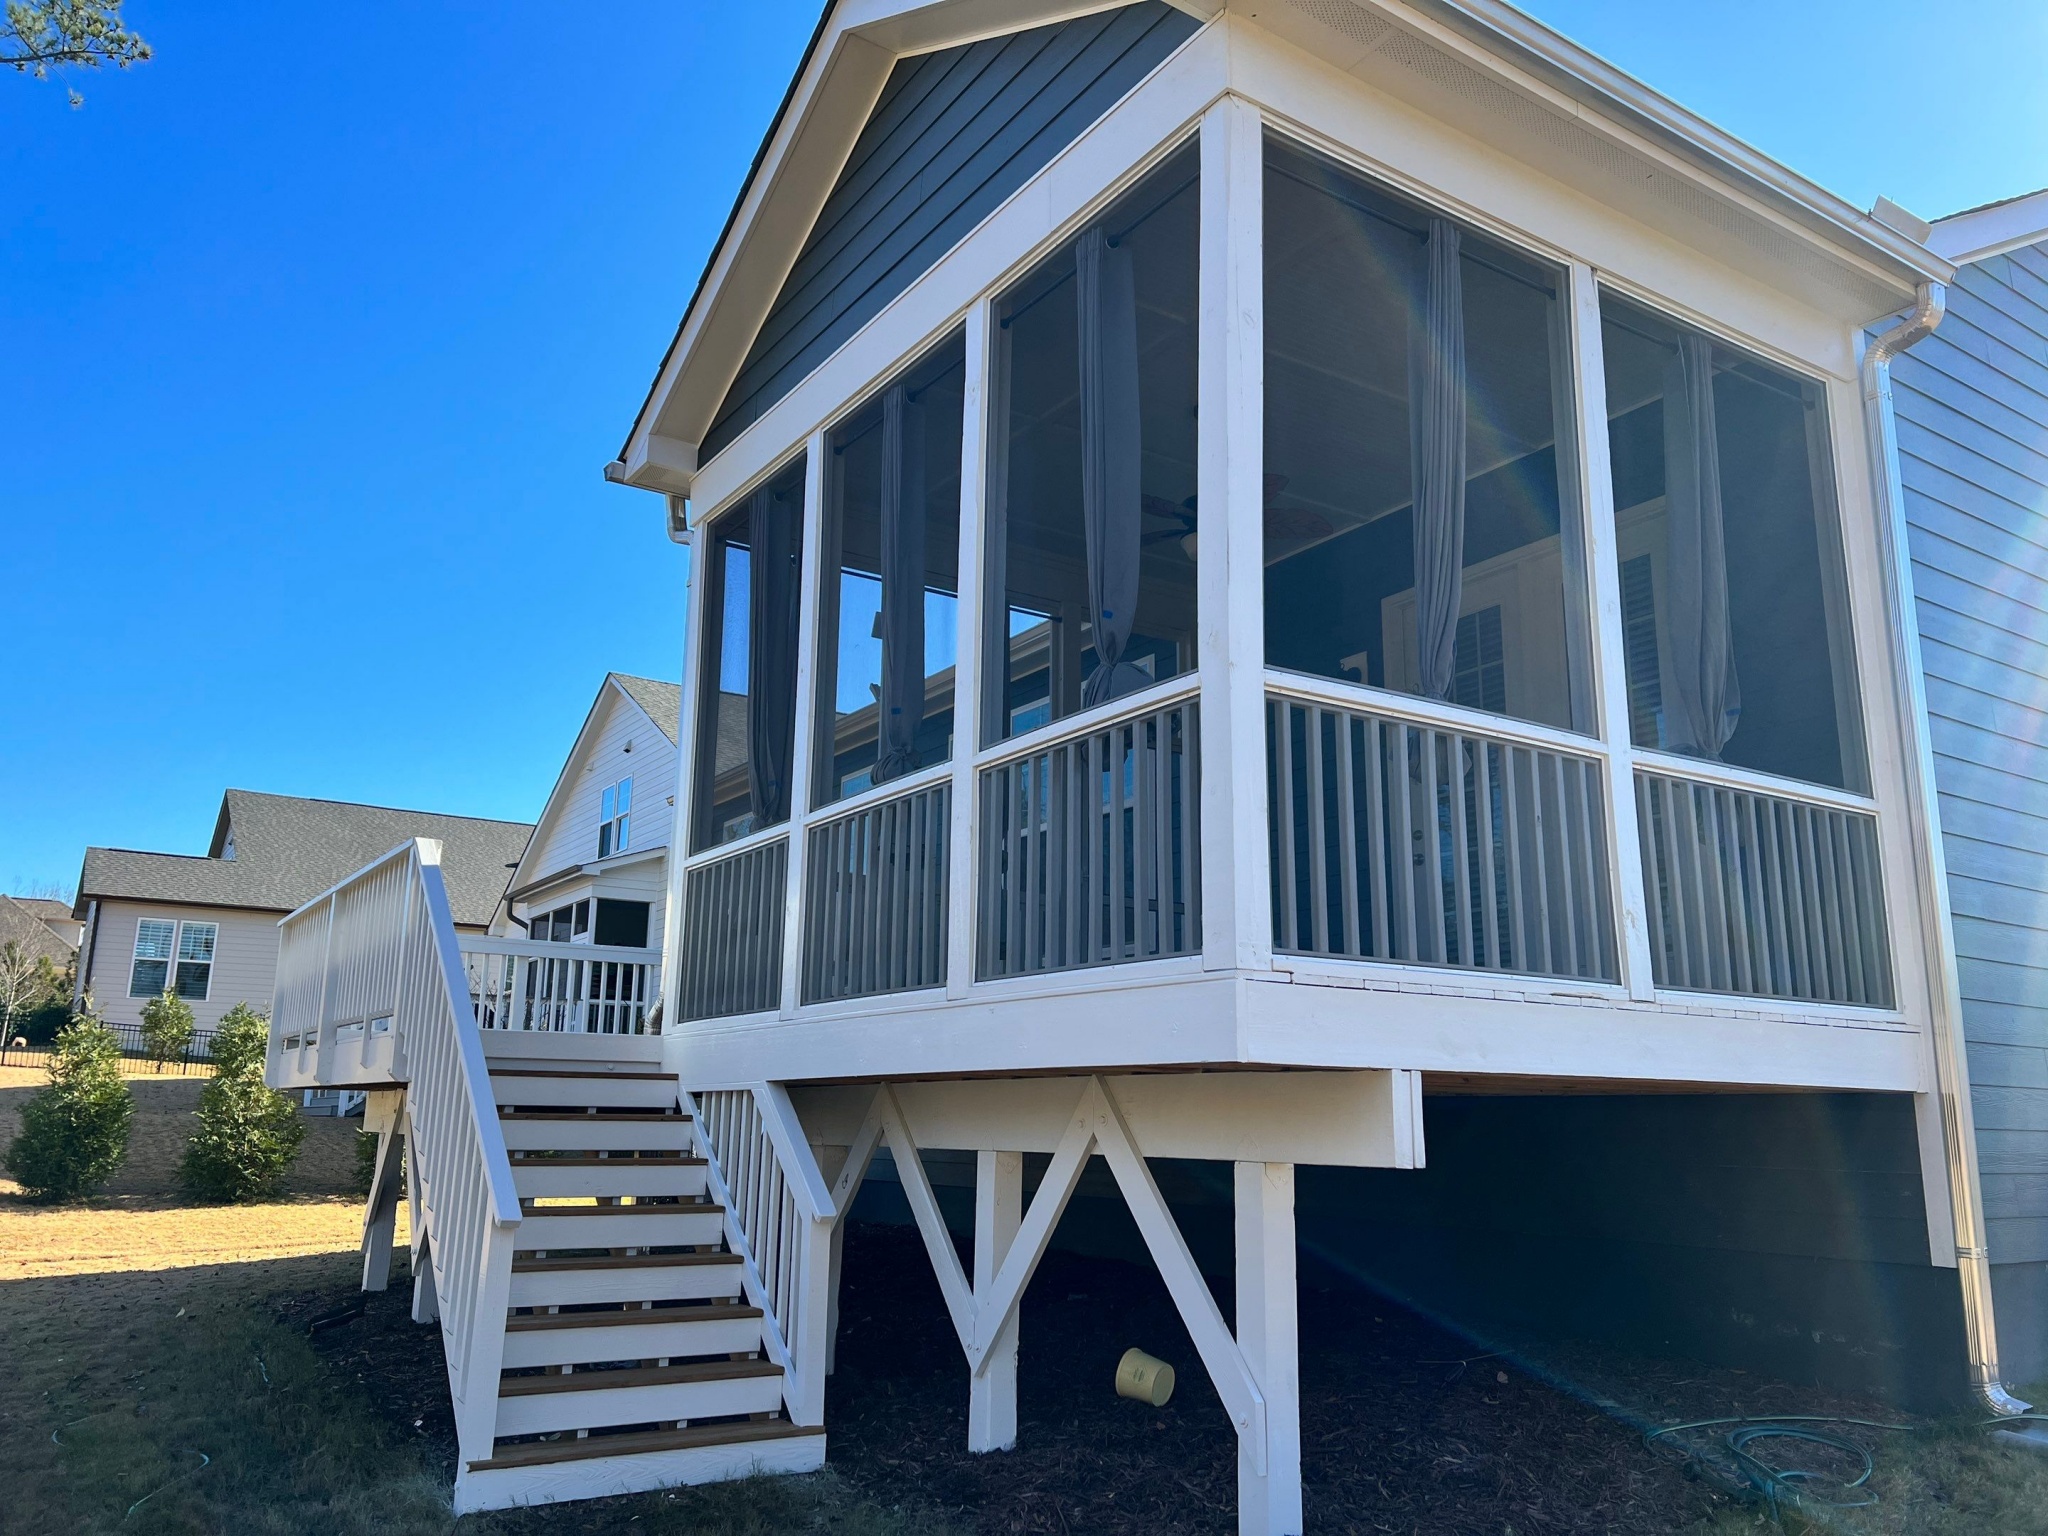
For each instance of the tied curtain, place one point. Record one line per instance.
(1703, 657)
(1107, 307)
(903, 574)
(771, 656)
(1437, 458)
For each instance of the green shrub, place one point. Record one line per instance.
(248, 1133)
(74, 1133)
(166, 1027)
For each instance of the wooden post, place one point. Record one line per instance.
(998, 1208)
(380, 1212)
(1269, 1502)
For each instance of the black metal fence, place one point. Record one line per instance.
(195, 1058)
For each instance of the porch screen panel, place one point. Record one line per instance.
(1091, 546)
(1731, 555)
(888, 614)
(746, 681)
(1420, 528)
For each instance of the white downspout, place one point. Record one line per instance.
(1951, 1063)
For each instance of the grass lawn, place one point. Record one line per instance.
(160, 1377)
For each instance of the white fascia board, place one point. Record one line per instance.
(1985, 232)
(1591, 81)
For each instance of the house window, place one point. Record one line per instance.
(1091, 547)
(889, 611)
(615, 819)
(151, 974)
(1420, 532)
(561, 925)
(622, 922)
(1734, 589)
(746, 726)
(195, 959)
(161, 945)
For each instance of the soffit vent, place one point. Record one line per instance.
(1528, 119)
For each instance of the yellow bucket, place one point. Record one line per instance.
(1144, 1379)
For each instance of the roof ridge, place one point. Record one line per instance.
(363, 805)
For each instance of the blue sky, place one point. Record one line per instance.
(316, 330)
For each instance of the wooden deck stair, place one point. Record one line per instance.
(631, 1357)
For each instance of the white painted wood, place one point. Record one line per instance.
(606, 1476)
(547, 1179)
(1230, 547)
(1610, 658)
(1269, 1497)
(694, 622)
(977, 432)
(931, 1225)
(813, 576)
(679, 1281)
(581, 1092)
(998, 1208)
(669, 1338)
(542, 1412)
(547, 1228)
(380, 1210)
(595, 1133)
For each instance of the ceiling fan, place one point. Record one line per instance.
(1280, 522)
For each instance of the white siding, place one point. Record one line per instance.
(568, 827)
(244, 960)
(1973, 446)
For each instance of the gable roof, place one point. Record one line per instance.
(1977, 234)
(661, 702)
(848, 59)
(22, 924)
(287, 850)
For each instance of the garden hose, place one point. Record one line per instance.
(1779, 1486)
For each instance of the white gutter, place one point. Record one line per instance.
(1951, 1063)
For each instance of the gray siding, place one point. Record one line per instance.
(954, 133)
(1973, 450)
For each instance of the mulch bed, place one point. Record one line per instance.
(1407, 1428)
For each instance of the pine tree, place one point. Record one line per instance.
(74, 1133)
(248, 1132)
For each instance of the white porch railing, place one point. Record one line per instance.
(875, 891)
(1769, 895)
(731, 956)
(1428, 845)
(576, 989)
(379, 949)
(1089, 847)
(778, 1219)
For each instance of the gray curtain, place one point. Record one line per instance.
(771, 655)
(903, 569)
(1436, 416)
(1107, 303)
(1709, 699)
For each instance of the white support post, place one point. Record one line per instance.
(976, 429)
(1230, 538)
(680, 824)
(380, 1211)
(426, 1307)
(998, 1208)
(810, 581)
(1610, 653)
(1269, 1501)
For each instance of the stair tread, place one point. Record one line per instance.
(685, 1209)
(577, 1072)
(622, 1261)
(609, 1117)
(550, 1322)
(540, 1452)
(637, 1376)
(598, 1160)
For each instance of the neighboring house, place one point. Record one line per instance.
(1580, 782)
(25, 921)
(206, 926)
(595, 870)
(1972, 421)
(55, 916)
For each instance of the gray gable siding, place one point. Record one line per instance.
(953, 134)
(1973, 454)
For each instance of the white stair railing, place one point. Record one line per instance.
(778, 1219)
(380, 949)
